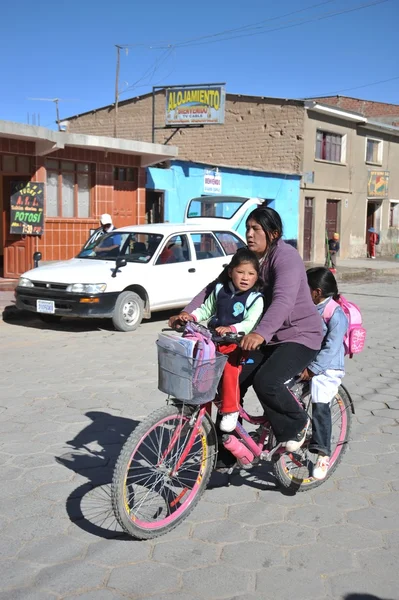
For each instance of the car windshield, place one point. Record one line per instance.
(223, 207)
(135, 247)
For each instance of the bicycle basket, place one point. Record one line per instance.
(188, 379)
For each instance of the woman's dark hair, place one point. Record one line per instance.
(271, 223)
(243, 255)
(321, 277)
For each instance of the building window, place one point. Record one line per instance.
(394, 214)
(124, 174)
(373, 151)
(16, 164)
(68, 189)
(330, 146)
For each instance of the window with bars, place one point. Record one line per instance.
(373, 151)
(68, 189)
(329, 146)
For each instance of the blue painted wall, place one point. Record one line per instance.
(184, 181)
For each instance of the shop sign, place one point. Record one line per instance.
(195, 105)
(377, 185)
(26, 208)
(212, 182)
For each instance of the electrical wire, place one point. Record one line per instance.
(255, 25)
(357, 87)
(286, 26)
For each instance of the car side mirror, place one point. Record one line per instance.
(119, 263)
(36, 257)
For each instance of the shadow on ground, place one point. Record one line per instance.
(364, 597)
(21, 318)
(93, 455)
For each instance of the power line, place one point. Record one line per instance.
(357, 87)
(287, 26)
(152, 69)
(253, 25)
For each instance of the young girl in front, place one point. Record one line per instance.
(327, 369)
(235, 305)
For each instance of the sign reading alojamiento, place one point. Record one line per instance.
(195, 105)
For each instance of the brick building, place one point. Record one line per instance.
(84, 176)
(258, 151)
(314, 161)
(380, 111)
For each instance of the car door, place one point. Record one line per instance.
(173, 273)
(210, 259)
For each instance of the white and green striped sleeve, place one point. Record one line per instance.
(207, 309)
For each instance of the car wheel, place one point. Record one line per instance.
(128, 312)
(50, 319)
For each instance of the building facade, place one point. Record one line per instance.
(350, 182)
(257, 152)
(83, 176)
(342, 150)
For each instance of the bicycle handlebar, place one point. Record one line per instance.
(228, 338)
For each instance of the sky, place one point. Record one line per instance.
(285, 49)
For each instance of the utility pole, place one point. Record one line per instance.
(56, 101)
(118, 60)
(57, 110)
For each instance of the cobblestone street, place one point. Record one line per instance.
(70, 395)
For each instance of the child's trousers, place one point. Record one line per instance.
(229, 385)
(323, 389)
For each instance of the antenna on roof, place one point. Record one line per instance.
(56, 102)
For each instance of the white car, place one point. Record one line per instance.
(136, 270)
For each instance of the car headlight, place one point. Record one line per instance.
(24, 282)
(87, 288)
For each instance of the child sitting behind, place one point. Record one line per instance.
(235, 305)
(327, 369)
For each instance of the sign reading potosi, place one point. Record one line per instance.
(195, 106)
(26, 208)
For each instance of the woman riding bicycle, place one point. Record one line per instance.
(290, 333)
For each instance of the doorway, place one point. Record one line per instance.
(332, 217)
(308, 229)
(154, 206)
(373, 218)
(17, 248)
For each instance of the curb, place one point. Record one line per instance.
(366, 274)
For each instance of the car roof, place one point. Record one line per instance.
(168, 228)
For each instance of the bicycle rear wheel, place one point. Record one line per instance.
(294, 469)
(148, 497)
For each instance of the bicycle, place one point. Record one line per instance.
(165, 465)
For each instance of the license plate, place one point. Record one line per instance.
(45, 306)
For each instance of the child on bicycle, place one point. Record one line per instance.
(327, 369)
(235, 306)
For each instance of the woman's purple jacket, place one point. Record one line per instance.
(290, 314)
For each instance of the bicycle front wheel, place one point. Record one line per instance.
(149, 496)
(294, 469)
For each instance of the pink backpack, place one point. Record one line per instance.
(355, 337)
(203, 355)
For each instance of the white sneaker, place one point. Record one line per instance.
(294, 445)
(321, 467)
(229, 422)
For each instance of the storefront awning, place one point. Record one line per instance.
(48, 141)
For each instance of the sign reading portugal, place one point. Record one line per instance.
(195, 105)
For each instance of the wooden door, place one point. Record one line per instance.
(332, 218)
(124, 210)
(17, 248)
(308, 229)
